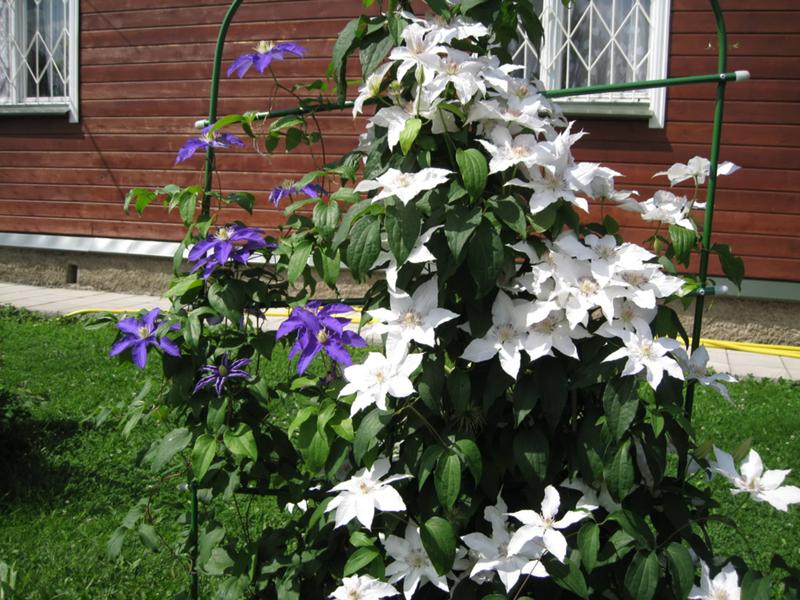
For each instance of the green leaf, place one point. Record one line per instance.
(338, 67)
(228, 299)
(317, 451)
(621, 403)
(589, 545)
(429, 459)
(409, 134)
(141, 197)
(472, 457)
(241, 442)
(681, 569)
(474, 170)
(355, 211)
(187, 205)
(447, 479)
(219, 562)
(641, 578)
(364, 246)
(402, 224)
(359, 539)
(510, 213)
(439, 542)
(367, 433)
(172, 443)
(326, 218)
(114, 543)
(184, 284)
(568, 575)
(732, 265)
(530, 23)
(293, 138)
(619, 474)
(359, 559)
(298, 260)
(205, 448)
(634, 527)
(148, 536)
(485, 257)
(374, 54)
(755, 587)
(466, 5)
(243, 199)
(683, 240)
(458, 227)
(531, 449)
(328, 264)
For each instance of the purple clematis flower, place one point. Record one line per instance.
(234, 242)
(138, 334)
(219, 374)
(265, 53)
(312, 190)
(208, 139)
(317, 329)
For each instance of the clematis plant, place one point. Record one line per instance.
(524, 390)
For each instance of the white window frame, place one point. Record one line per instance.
(18, 102)
(634, 104)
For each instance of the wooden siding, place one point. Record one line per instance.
(145, 69)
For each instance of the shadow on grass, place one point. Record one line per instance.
(25, 442)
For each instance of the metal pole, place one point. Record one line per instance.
(212, 108)
(705, 248)
(579, 91)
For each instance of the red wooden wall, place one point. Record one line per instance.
(145, 67)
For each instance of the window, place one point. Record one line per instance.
(602, 41)
(39, 57)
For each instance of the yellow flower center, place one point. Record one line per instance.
(144, 332)
(587, 286)
(264, 46)
(223, 370)
(322, 336)
(410, 319)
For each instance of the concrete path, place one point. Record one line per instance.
(59, 301)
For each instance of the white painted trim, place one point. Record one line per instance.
(69, 243)
(74, 60)
(659, 60)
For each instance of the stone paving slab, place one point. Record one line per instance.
(66, 300)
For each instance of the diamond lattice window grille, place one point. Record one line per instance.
(597, 42)
(38, 57)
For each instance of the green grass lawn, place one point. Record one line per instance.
(66, 483)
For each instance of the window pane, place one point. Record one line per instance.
(593, 42)
(46, 48)
(6, 43)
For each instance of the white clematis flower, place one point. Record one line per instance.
(763, 486)
(418, 48)
(440, 31)
(507, 151)
(363, 587)
(507, 335)
(364, 493)
(628, 317)
(458, 68)
(695, 367)
(378, 376)
(591, 499)
(725, 586)
(544, 527)
(370, 88)
(553, 332)
(411, 563)
(666, 207)
(406, 186)
(698, 168)
(412, 317)
(645, 353)
(493, 554)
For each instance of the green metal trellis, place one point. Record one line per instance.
(721, 78)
